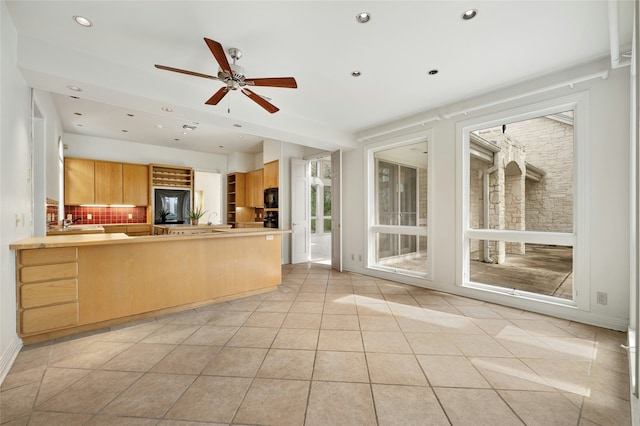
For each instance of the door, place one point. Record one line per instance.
(336, 210)
(300, 246)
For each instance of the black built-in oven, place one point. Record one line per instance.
(271, 198)
(271, 219)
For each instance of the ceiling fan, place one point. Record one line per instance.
(233, 77)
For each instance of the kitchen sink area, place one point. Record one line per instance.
(76, 229)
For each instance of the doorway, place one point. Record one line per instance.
(320, 172)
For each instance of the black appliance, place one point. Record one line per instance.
(271, 219)
(271, 198)
(171, 205)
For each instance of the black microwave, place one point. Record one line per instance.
(271, 198)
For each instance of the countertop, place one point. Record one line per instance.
(118, 238)
(76, 229)
(188, 226)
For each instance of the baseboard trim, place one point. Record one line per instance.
(9, 356)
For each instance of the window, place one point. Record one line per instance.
(520, 201)
(398, 234)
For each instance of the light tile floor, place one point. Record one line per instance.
(328, 348)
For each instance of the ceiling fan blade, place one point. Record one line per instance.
(288, 82)
(217, 97)
(196, 74)
(261, 101)
(218, 53)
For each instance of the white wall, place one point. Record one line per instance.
(608, 203)
(116, 150)
(15, 188)
(53, 130)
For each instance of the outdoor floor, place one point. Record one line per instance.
(328, 348)
(542, 269)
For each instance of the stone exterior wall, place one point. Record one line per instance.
(517, 203)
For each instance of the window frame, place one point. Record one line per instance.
(371, 229)
(578, 239)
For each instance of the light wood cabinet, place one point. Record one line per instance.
(105, 182)
(108, 182)
(171, 176)
(47, 289)
(135, 230)
(135, 189)
(236, 184)
(254, 189)
(271, 170)
(79, 181)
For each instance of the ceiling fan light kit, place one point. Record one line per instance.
(232, 75)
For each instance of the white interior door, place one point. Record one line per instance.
(336, 210)
(300, 243)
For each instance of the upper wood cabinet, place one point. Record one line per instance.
(254, 194)
(108, 181)
(271, 174)
(135, 189)
(105, 182)
(79, 178)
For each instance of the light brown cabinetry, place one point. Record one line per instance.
(48, 289)
(236, 183)
(171, 176)
(105, 182)
(254, 189)
(271, 170)
(136, 230)
(72, 289)
(79, 178)
(135, 189)
(108, 182)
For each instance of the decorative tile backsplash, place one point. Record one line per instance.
(106, 215)
(52, 214)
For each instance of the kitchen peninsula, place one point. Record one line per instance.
(69, 284)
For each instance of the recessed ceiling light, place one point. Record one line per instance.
(130, 115)
(220, 146)
(124, 131)
(81, 20)
(77, 113)
(159, 126)
(176, 139)
(79, 125)
(237, 125)
(469, 14)
(74, 97)
(167, 109)
(363, 17)
(433, 72)
(240, 137)
(74, 88)
(356, 74)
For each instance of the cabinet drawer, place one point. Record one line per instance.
(49, 318)
(115, 229)
(48, 255)
(48, 293)
(29, 274)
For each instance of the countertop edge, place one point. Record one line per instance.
(118, 238)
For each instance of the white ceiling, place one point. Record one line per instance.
(317, 42)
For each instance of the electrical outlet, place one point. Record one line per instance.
(89, 216)
(130, 216)
(601, 298)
